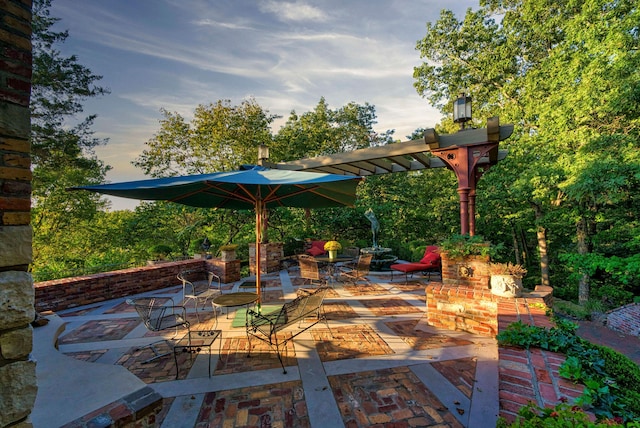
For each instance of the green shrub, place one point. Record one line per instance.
(612, 381)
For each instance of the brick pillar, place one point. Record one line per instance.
(270, 256)
(17, 372)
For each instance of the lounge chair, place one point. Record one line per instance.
(430, 263)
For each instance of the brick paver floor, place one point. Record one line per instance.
(422, 340)
(349, 342)
(393, 306)
(388, 398)
(460, 373)
(363, 289)
(339, 311)
(100, 330)
(275, 405)
(233, 357)
(160, 370)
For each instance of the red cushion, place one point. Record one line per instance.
(318, 244)
(408, 267)
(315, 251)
(430, 259)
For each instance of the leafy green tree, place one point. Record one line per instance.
(221, 137)
(566, 74)
(61, 146)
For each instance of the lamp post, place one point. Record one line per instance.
(462, 110)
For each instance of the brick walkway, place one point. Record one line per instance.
(380, 365)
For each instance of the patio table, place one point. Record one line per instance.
(194, 341)
(332, 264)
(230, 300)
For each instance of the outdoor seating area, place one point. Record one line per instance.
(365, 338)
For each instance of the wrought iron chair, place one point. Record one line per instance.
(199, 289)
(359, 272)
(158, 317)
(310, 271)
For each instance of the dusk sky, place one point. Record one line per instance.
(177, 54)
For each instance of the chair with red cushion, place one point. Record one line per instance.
(317, 249)
(430, 263)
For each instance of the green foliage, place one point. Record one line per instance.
(458, 246)
(611, 379)
(562, 415)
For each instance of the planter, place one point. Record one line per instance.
(333, 254)
(506, 285)
(228, 255)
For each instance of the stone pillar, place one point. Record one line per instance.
(18, 385)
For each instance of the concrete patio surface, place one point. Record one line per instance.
(382, 365)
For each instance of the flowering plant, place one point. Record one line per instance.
(332, 246)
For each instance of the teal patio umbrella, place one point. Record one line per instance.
(252, 187)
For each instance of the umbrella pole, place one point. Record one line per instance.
(258, 245)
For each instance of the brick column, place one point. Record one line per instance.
(17, 372)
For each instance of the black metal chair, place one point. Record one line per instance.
(159, 318)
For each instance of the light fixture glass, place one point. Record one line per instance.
(462, 109)
(263, 152)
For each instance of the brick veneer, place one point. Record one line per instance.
(67, 293)
(270, 256)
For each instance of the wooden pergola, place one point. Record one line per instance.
(468, 153)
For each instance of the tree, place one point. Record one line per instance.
(566, 74)
(62, 150)
(221, 137)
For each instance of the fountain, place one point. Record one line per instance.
(381, 257)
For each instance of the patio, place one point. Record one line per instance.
(384, 365)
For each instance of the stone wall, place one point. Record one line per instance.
(66, 293)
(17, 371)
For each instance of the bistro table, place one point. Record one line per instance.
(332, 264)
(230, 300)
(193, 342)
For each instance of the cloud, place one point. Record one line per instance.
(293, 11)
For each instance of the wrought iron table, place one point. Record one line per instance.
(194, 341)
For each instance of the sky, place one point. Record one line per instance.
(287, 55)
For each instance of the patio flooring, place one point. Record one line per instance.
(383, 366)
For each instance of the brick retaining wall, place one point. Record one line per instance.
(67, 293)
(625, 319)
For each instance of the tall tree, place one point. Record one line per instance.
(566, 73)
(62, 146)
(221, 137)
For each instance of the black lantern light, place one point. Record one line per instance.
(462, 110)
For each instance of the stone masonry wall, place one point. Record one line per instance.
(17, 371)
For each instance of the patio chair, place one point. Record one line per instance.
(430, 263)
(159, 318)
(310, 272)
(197, 285)
(359, 272)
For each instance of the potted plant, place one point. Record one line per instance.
(332, 247)
(506, 279)
(228, 252)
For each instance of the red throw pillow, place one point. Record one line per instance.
(315, 251)
(319, 244)
(430, 259)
